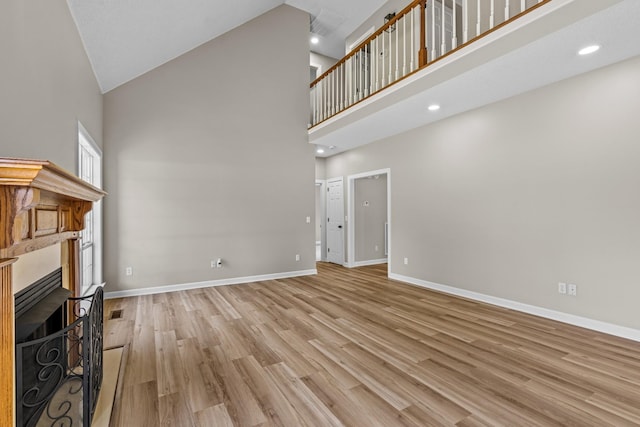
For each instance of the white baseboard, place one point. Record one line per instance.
(369, 262)
(207, 284)
(595, 325)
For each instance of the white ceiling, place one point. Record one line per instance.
(537, 50)
(126, 38)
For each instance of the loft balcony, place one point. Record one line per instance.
(486, 51)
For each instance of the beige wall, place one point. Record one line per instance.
(208, 157)
(46, 83)
(320, 168)
(510, 199)
(46, 86)
(370, 212)
(323, 62)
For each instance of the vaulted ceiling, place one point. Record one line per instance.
(125, 39)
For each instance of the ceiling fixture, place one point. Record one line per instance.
(388, 18)
(589, 50)
(434, 107)
(320, 151)
(315, 40)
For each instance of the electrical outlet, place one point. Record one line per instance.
(128, 271)
(572, 289)
(406, 261)
(562, 288)
(297, 257)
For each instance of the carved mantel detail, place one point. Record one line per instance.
(41, 205)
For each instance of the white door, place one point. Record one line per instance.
(335, 221)
(435, 46)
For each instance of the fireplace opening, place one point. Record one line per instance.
(40, 312)
(41, 308)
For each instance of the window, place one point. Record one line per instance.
(90, 170)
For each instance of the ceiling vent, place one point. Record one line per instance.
(326, 22)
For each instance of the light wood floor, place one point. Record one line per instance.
(350, 347)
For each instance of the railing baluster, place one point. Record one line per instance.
(374, 57)
(433, 30)
(334, 91)
(390, 58)
(312, 119)
(492, 15)
(404, 46)
(331, 112)
(413, 36)
(325, 92)
(319, 100)
(478, 20)
(363, 74)
(397, 31)
(507, 12)
(465, 21)
(352, 80)
(372, 76)
(341, 86)
(454, 37)
(443, 28)
(351, 77)
(523, 5)
(320, 103)
(382, 53)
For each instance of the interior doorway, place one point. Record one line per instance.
(369, 213)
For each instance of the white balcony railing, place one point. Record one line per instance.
(419, 35)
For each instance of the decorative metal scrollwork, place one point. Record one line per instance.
(59, 376)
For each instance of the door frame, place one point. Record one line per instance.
(344, 220)
(351, 200)
(323, 219)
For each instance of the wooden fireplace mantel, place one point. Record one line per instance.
(41, 205)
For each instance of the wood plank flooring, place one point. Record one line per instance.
(351, 348)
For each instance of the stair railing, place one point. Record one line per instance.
(419, 35)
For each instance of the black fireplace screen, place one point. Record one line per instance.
(58, 377)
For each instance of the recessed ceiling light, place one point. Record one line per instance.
(434, 107)
(589, 49)
(315, 40)
(319, 151)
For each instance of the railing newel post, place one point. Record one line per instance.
(422, 53)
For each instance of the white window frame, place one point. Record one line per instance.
(86, 142)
